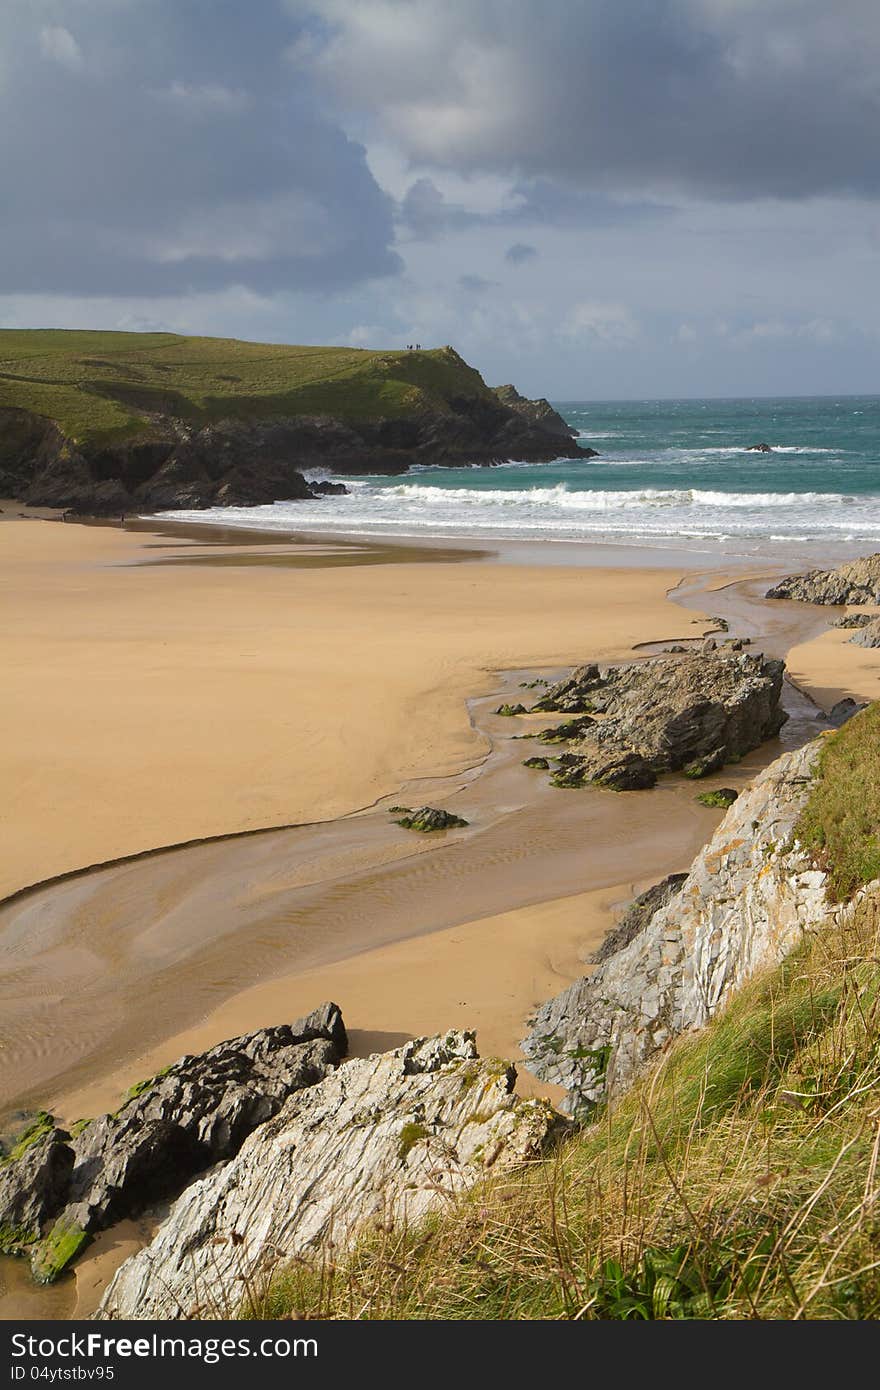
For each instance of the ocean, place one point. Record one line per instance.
(669, 473)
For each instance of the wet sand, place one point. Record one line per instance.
(104, 967)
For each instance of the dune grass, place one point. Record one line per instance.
(99, 386)
(841, 821)
(738, 1179)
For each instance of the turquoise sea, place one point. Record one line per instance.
(669, 473)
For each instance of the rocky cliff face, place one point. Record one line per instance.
(540, 415)
(856, 582)
(749, 897)
(249, 462)
(384, 1138)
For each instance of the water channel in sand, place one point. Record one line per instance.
(98, 968)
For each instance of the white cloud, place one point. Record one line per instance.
(59, 45)
(818, 331)
(673, 96)
(208, 99)
(613, 324)
(369, 335)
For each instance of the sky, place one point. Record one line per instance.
(590, 198)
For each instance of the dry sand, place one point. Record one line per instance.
(146, 705)
(831, 666)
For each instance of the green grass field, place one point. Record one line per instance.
(100, 386)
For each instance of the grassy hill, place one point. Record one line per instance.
(738, 1179)
(106, 422)
(100, 386)
(102, 423)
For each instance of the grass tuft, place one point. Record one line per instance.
(840, 824)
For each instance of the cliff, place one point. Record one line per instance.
(107, 422)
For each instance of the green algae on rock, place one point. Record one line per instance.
(429, 818)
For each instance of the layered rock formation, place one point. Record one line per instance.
(384, 1138)
(63, 1189)
(857, 582)
(637, 916)
(747, 901)
(694, 713)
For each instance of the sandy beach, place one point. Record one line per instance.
(146, 705)
(831, 667)
(173, 689)
(260, 684)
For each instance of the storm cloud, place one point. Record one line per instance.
(589, 197)
(166, 146)
(724, 98)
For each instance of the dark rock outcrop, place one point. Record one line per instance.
(33, 1188)
(761, 448)
(637, 916)
(427, 819)
(324, 488)
(541, 416)
(200, 1111)
(857, 583)
(690, 714)
(567, 732)
(843, 711)
(721, 799)
(572, 694)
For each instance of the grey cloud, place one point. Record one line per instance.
(543, 201)
(424, 211)
(520, 252)
(476, 284)
(730, 99)
(163, 148)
